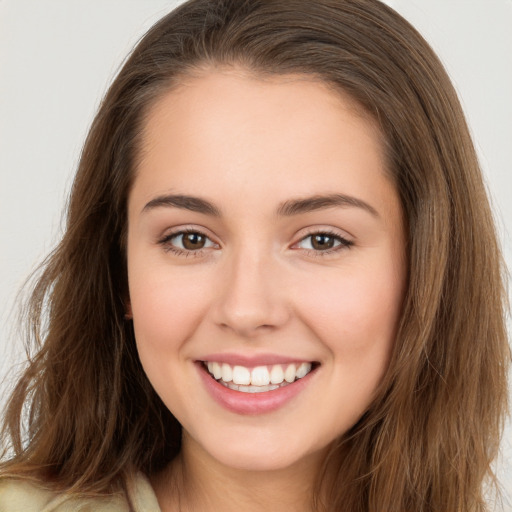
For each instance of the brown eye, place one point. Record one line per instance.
(322, 242)
(193, 241)
(187, 241)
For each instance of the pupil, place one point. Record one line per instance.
(323, 242)
(193, 241)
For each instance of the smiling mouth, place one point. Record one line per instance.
(260, 378)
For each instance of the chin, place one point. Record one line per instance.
(261, 452)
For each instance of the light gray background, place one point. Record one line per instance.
(57, 58)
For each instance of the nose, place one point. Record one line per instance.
(252, 298)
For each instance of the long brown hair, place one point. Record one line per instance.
(83, 417)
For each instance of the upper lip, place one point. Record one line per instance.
(253, 360)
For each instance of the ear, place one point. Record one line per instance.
(128, 315)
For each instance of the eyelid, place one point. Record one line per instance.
(185, 228)
(165, 240)
(345, 242)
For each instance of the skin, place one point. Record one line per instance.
(247, 145)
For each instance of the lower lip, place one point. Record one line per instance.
(252, 403)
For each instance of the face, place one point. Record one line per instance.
(266, 264)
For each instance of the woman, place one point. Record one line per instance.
(279, 285)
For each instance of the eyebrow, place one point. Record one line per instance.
(286, 209)
(321, 202)
(184, 202)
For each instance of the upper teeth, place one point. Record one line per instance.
(260, 375)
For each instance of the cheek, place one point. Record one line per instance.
(355, 313)
(167, 306)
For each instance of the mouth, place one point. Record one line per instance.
(258, 379)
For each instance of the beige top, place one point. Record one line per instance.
(22, 496)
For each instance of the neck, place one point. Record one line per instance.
(195, 482)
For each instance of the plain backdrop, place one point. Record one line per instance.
(57, 58)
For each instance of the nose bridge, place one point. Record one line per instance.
(252, 298)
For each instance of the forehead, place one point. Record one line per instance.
(215, 98)
(233, 130)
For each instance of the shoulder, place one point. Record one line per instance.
(25, 496)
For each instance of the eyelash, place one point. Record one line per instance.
(343, 243)
(169, 247)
